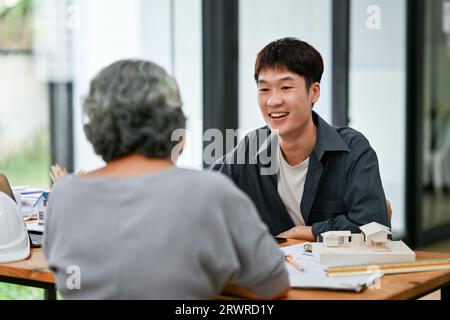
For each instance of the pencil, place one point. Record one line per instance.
(293, 262)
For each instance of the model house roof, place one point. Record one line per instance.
(336, 234)
(374, 228)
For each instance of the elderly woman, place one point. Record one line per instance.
(140, 228)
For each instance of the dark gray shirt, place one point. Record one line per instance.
(176, 234)
(343, 188)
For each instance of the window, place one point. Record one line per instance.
(436, 117)
(24, 115)
(165, 32)
(377, 91)
(261, 22)
(24, 112)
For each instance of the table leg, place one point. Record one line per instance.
(445, 293)
(50, 294)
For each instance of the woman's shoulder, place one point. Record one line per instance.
(198, 183)
(211, 178)
(63, 183)
(211, 184)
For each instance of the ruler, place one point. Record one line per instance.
(389, 268)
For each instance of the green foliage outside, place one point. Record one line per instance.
(15, 23)
(31, 166)
(14, 292)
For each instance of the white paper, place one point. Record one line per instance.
(35, 227)
(314, 277)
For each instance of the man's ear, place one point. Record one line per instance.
(314, 92)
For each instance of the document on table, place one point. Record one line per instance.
(35, 227)
(314, 277)
(28, 200)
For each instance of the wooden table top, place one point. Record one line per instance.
(398, 286)
(392, 287)
(34, 268)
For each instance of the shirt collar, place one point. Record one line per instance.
(328, 139)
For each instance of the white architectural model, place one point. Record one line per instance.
(336, 238)
(372, 246)
(376, 234)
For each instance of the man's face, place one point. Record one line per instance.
(285, 102)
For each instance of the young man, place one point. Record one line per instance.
(327, 178)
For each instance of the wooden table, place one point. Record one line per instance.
(393, 287)
(34, 272)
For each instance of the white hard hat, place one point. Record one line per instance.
(14, 240)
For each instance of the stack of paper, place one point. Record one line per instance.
(313, 275)
(36, 227)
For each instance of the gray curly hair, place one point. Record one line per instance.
(133, 106)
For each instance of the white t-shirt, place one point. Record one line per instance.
(291, 183)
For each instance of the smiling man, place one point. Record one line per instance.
(327, 178)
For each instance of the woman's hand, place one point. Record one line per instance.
(57, 172)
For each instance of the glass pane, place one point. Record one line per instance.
(377, 91)
(165, 32)
(24, 113)
(24, 102)
(261, 22)
(436, 110)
